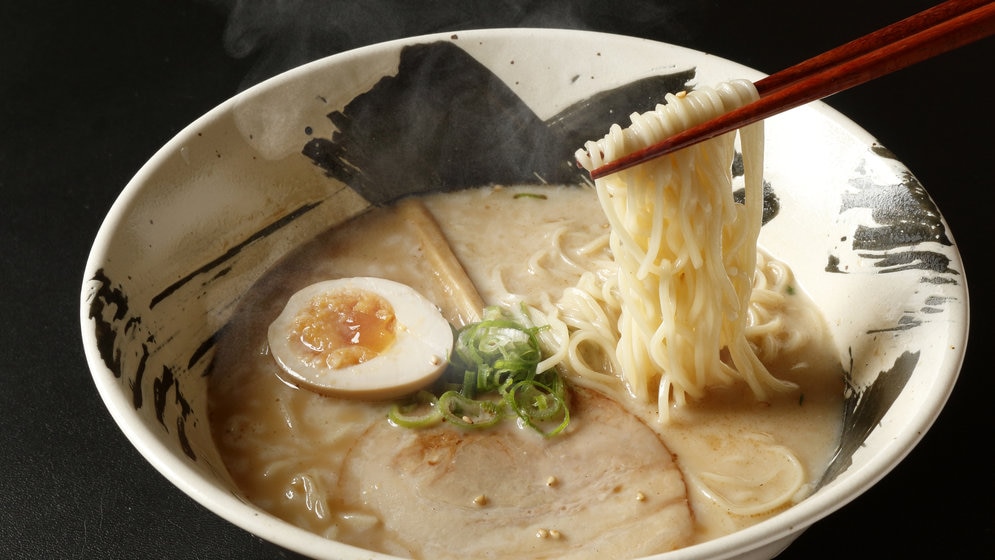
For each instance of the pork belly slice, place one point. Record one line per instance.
(606, 488)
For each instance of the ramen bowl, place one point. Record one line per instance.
(277, 164)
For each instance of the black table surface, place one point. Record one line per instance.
(89, 91)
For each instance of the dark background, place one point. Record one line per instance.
(89, 91)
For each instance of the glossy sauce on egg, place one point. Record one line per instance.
(345, 328)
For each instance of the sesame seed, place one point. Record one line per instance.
(548, 534)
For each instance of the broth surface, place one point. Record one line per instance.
(312, 460)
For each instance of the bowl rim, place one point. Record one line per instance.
(781, 527)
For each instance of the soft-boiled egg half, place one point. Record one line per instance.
(365, 338)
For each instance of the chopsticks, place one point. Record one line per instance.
(929, 33)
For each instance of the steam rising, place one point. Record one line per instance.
(277, 35)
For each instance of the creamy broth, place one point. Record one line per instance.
(312, 460)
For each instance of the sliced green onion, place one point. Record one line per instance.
(468, 413)
(536, 403)
(534, 400)
(498, 354)
(421, 411)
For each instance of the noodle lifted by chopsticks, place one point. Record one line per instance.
(686, 253)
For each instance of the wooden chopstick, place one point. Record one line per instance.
(943, 28)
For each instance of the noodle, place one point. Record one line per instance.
(686, 259)
(314, 460)
(745, 491)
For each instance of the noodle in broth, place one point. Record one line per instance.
(722, 428)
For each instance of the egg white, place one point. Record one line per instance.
(418, 355)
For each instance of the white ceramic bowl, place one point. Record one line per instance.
(232, 192)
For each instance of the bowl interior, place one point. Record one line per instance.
(281, 162)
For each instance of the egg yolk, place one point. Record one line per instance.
(346, 327)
